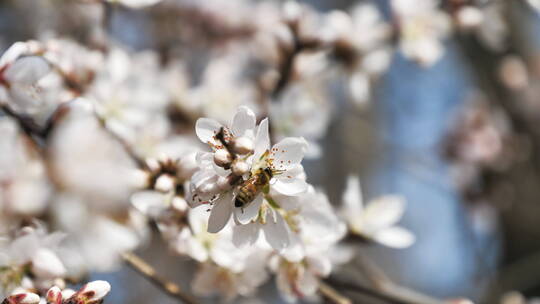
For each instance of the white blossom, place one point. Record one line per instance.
(377, 220)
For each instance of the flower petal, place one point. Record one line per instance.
(206, 128)
(288, 153)
(383, 212)
(395, 237)
(290, 186)
(250, 212)
(27, 70)
(244, 121)
(221, 213)
(307, 283)
(245, 234)
(262, 140)
(320, 265)
(352, 196)
(276, 231)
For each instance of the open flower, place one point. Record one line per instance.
(245, 192)
(377, 220)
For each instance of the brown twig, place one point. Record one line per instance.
(149, 273)
(332, 295)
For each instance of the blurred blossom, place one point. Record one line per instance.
(23, 182)
(29, 258)
(377, 220)
(135, 3)
(423, 27)
(191, 120)
(89, 161)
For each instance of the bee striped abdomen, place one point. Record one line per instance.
(251, 188)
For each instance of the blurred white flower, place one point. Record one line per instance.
(23, 181)
(422, 28)
(135, 3)
(225, 269)
(376, 221)
(129, 93)
(31, 253)
(90, 162)
(223, 88)
(311, 256)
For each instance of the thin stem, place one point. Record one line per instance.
(332, 295)
(149, 273)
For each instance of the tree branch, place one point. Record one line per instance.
(332, 295)
(149, 273)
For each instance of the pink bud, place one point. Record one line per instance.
(54, 295)
(93, 292)
(23, 298)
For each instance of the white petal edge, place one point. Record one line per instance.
(220, 214)
(288, 153)
(245, 234)
(244, 120)
(290, 186)
(206, 128)
(382, 212)
(262, 140)
(395, 237)
(276, 231)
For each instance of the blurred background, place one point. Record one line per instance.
(458, 135)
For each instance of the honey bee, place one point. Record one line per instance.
(252, 187)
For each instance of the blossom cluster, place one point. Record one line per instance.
(101, 143)
(91, 293)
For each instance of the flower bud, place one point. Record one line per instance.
(140, 178)
(165, 183)
(54, 295)
(222, 158)
(242, 145)
(240, 168)
(23, 298)
(92, 292)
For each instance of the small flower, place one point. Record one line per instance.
(377, 220)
